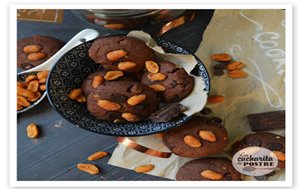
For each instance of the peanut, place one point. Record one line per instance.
(89, 168)
(30, 78)
(42, 87)
(111, 106)
(42, 75)
(75, 93)
(125, 66)
(81, 99)
(144, 168)
(32, 48)
(36, 56)
(21, 84)
(237, 74)
(32, 131)
(152, 66)
(212, 175)
(221, 57)
(112, 75)
(22, 101)
(25, 92)
(116, 55)
(136, 99)
(19, 107)
(157, 87)
(97, 155)
(192, 141)
(280, 155)
(208, 135)
(115, 26)
(234, 66)
(130, 117)
(215, 99)
(97, 81)
(156, 76)
(33, 85)
(37, 96)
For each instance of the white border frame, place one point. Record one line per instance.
(175, 184)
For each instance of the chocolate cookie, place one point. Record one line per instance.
(121, 53)
(196, 138)
(275, 143)
(88, 86)
(122, 101)
(35, 50)
(207, 169)
(172, 82)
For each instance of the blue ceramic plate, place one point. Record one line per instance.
(70, 71)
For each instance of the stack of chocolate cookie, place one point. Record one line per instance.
(132, 83)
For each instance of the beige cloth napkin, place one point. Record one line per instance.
(254, 37)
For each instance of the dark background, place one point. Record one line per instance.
(61, 145)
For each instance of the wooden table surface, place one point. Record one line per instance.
(61, 145)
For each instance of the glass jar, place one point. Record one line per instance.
(127, 19)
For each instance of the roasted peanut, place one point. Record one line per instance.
(32, 131)
(215, 99)
(42, 74)
(25, 92)
(234, 66)
(36, 56)
(81, 99)
(125, 66)
(112, 75)
(19, 107)
(192, 141)
(33, 85)
(97, 155)
(22, 101)
(221, 57)
(212, 175)
(130, 117)
(114, 26)
(97, 81)
(30, 78)
(237, 74)
(157, 76)
(152, 66)
(280, 155)
(32, 48)
(75, 93)
(136, 99)
(157, 87)
(36, 97)
(144, 168)
(42, 87)
(111, 106)
(21, 84)
(89, 168)
(208, 135)
(116, 55)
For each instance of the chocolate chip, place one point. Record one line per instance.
(218, 72)
(252, 142)
(118, 98)
(220, 66)
(166, 113)
(26, 66)
(227, 176)
(136, 89)
(175, 98)
(113, 115)
(274, 146)
(173, 84)
(217, 119)
(205, 111)
(261, 178)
